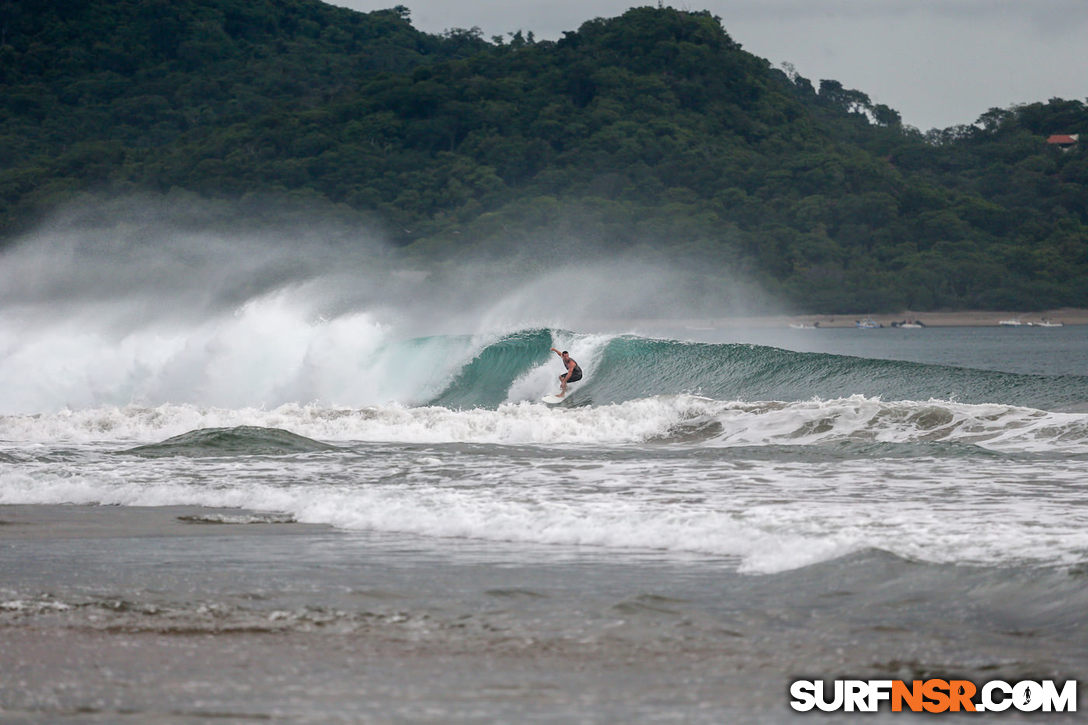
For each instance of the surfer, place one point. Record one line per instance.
(573, 373)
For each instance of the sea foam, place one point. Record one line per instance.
(679, 420)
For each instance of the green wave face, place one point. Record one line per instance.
(631, 367)
(485, 381)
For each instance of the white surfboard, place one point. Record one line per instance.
(553, 399)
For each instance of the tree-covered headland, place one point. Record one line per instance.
(652, 133)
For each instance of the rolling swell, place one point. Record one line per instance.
(631, 367)
(636, 367)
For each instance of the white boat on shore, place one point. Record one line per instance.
(1010, 323)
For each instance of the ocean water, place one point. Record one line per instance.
(731, 508)
(766, 458)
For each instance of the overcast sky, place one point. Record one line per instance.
(937, 62)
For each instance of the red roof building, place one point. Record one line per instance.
(1064, 140)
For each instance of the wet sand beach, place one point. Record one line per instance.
(163, 614)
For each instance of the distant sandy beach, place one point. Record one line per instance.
(965, 318)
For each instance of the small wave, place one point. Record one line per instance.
(238, 441)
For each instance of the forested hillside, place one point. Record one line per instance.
(653, 132)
